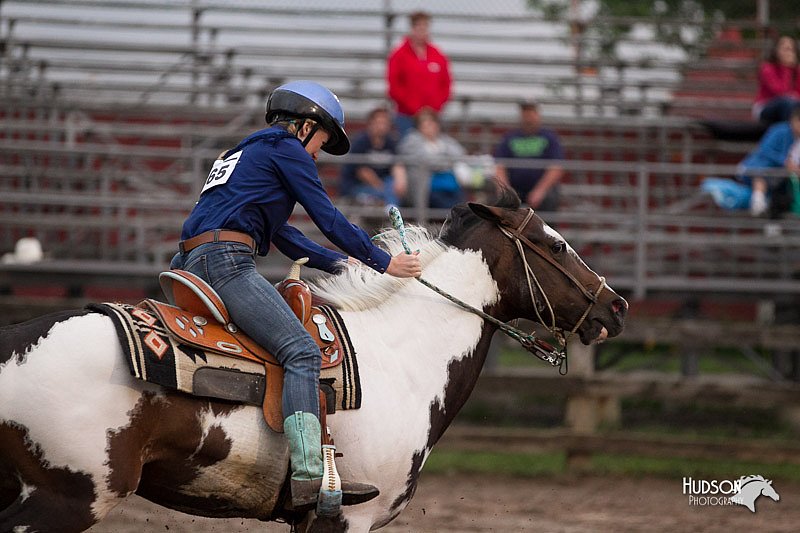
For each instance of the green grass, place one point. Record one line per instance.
(515, 357)
(678, 467)
(700, 419)
(551, 464)
(658, 357)
(644, 416)
(510, 464)
(640, 415)
(625, 357)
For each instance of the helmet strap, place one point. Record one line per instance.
(314, 130)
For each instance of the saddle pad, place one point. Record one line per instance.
(156, 357)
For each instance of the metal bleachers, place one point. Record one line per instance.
(111, 116)
(201, 51)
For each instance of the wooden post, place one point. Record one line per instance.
(582, 413)
(689, 360)
(581, 358)
(586, 412)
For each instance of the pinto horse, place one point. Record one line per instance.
(78, 433)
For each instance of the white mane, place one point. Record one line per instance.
(359, 287)
(744, 480)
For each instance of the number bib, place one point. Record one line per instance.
(221, 171)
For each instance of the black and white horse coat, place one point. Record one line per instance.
(78, 434)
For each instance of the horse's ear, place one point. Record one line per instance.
(488, 212)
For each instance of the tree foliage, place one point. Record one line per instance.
(687, 24)
(779, 10)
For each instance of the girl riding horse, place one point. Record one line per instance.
(244, 207)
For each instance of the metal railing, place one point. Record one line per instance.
(108, 195)
(645, 226)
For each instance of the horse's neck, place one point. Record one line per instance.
(752, 487)
(423, 344)
(463, 377)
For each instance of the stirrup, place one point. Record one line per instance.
(352, 494)
(329, 502)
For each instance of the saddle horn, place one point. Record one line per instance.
(294, 270)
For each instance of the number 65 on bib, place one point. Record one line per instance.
(221, 171)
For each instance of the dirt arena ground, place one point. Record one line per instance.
(565, 504)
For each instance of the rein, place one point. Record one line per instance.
(541, 349)
(529, 341)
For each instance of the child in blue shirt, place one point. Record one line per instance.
(772, 152)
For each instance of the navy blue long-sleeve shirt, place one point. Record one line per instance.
(254, 188)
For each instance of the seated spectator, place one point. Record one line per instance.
(436, 152)
(538, 187)
(772, 152)
(791, 193)
(380, 180)
(778, 83)
(793, 159)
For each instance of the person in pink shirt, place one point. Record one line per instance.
(778, 83)
(418, 74)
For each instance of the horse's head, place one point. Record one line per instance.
(539, 275)
(768, 490)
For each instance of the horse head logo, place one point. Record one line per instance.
(751, 487)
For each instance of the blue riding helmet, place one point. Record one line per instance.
(308, 99)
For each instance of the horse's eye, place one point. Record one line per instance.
(558, 247)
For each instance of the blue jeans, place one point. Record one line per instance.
(257, 309)
(403, 123)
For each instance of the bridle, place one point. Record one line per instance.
(518, 238)
(541, 349)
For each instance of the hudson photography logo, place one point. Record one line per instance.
(743, 491)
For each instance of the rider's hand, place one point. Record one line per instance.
(405, 265)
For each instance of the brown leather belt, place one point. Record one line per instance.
(216, 235)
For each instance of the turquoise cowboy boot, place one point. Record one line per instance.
(305, 455)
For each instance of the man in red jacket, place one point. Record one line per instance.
(418, 73)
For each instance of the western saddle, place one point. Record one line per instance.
(197, 316)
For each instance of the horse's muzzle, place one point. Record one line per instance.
(606, 323)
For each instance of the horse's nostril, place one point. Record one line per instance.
(620, 307)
